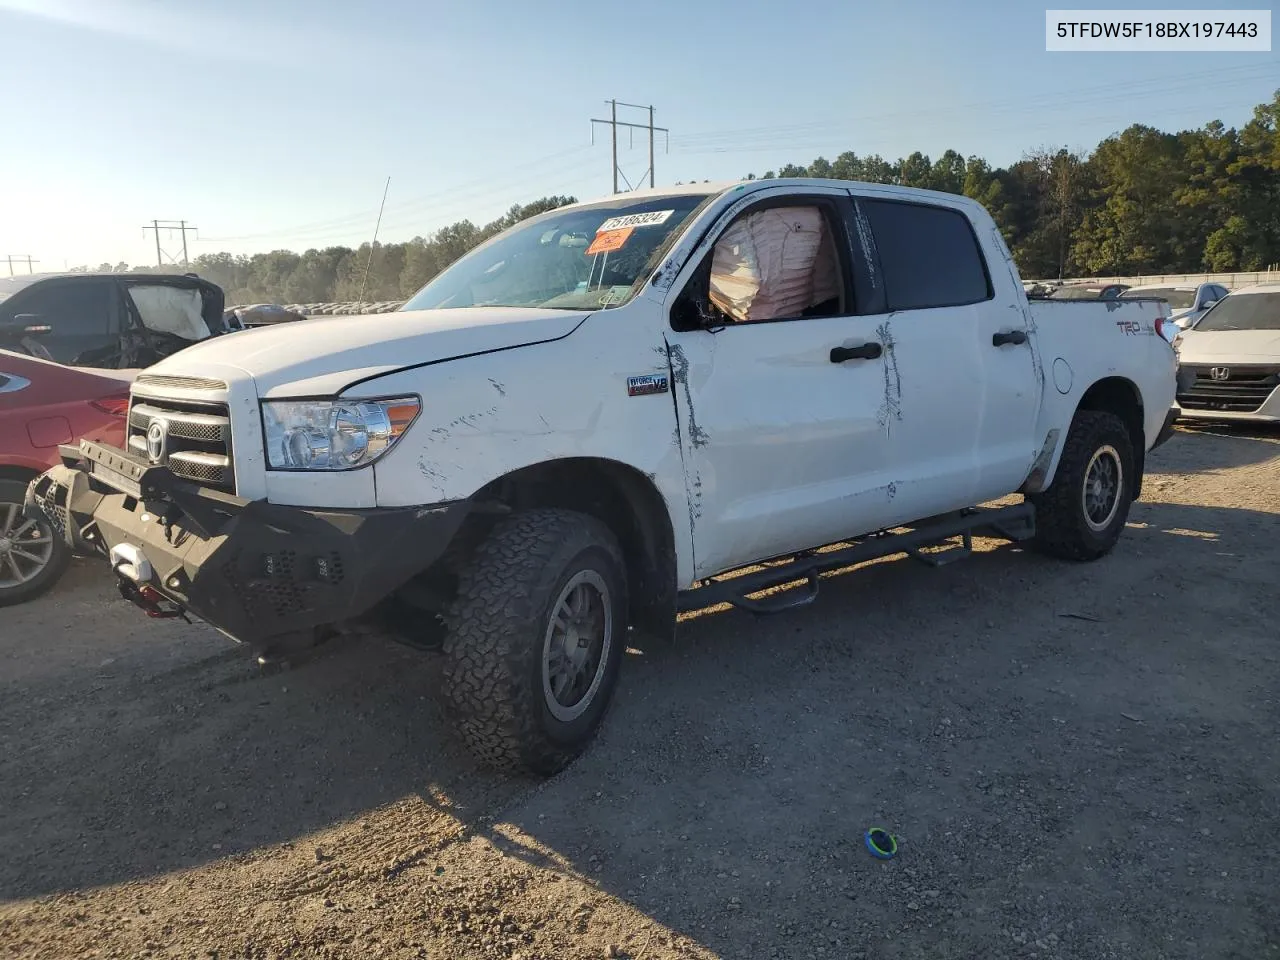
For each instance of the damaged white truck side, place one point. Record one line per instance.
(580, 426)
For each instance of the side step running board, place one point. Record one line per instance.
(1016, 522)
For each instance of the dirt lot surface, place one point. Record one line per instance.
(1079, 760)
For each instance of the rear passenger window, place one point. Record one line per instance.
(929, 256)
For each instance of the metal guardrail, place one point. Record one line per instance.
(1232, 281)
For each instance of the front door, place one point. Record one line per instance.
(81, 313)
(782, 402)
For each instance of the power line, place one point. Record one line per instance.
(816, 135)
(1105, 92)
(20, 257)
(397, 219)
(355, 220)
(613, 123)
(170, 225)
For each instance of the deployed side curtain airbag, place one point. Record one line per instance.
(765, 266)
(172, 310)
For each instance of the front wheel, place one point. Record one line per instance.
(33, 556)
(1082, 513)
(535, 638)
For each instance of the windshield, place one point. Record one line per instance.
(586, 258)
(1076, 293)
(1177, 299)
(1253, 311)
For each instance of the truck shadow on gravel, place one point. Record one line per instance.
(1046, 739)
(1020, 723)
(162, 747)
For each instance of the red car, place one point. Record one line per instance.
(43, 404)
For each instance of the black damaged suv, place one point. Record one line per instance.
(107, 320)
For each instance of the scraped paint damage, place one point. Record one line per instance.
(1024, 307)
(1040, 468)
(680, 374)
(891, 409)
(866, 243)
(678, 364)
(433, 476)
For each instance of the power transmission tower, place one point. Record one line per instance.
(170, 225)
(20, 256)
(613, 123)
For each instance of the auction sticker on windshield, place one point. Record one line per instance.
(607, 241)
(651, 219)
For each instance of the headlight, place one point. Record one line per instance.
(333, 434)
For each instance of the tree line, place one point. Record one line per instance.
(1142, 202)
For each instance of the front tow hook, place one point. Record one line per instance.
(133, 570)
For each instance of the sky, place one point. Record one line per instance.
(271, 124)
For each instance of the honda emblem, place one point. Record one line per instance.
(1219, 373)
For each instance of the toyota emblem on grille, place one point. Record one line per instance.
(1220, 373)
(157, 440)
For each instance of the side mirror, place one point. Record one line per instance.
(33, 324)
(1207, 304)
(694, 313)
(23, 325)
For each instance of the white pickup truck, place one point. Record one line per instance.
(575, 430)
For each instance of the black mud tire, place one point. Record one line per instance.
(1063, 526)
(14, 492)
(497, 625)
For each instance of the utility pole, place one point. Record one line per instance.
(170, 225)
(614, 123)
(20, 256)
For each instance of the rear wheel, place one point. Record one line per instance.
(535, 638)
(33, 556)
(1082, 513)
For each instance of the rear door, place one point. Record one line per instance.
(936, 297)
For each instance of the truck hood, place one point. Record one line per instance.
(1230, 346)
(321, 356)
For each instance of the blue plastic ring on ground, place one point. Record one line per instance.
(881, 843)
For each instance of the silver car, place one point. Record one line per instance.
(1187, 303)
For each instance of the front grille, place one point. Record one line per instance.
(198, 441)
(179, 383)
(1244, 388)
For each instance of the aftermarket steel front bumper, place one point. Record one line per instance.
(255, 570)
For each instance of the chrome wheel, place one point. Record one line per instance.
(26, 547)
(1103, 484)
(577, 645)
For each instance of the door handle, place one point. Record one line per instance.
(1012, 336)
(866, 351)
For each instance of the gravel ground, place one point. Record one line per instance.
(1079, 761)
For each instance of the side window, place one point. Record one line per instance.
(72, 309)
(775, 263)
(929, 256)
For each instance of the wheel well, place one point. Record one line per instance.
(1121, 397)
(629, 503)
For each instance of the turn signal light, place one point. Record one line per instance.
(116, 405)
